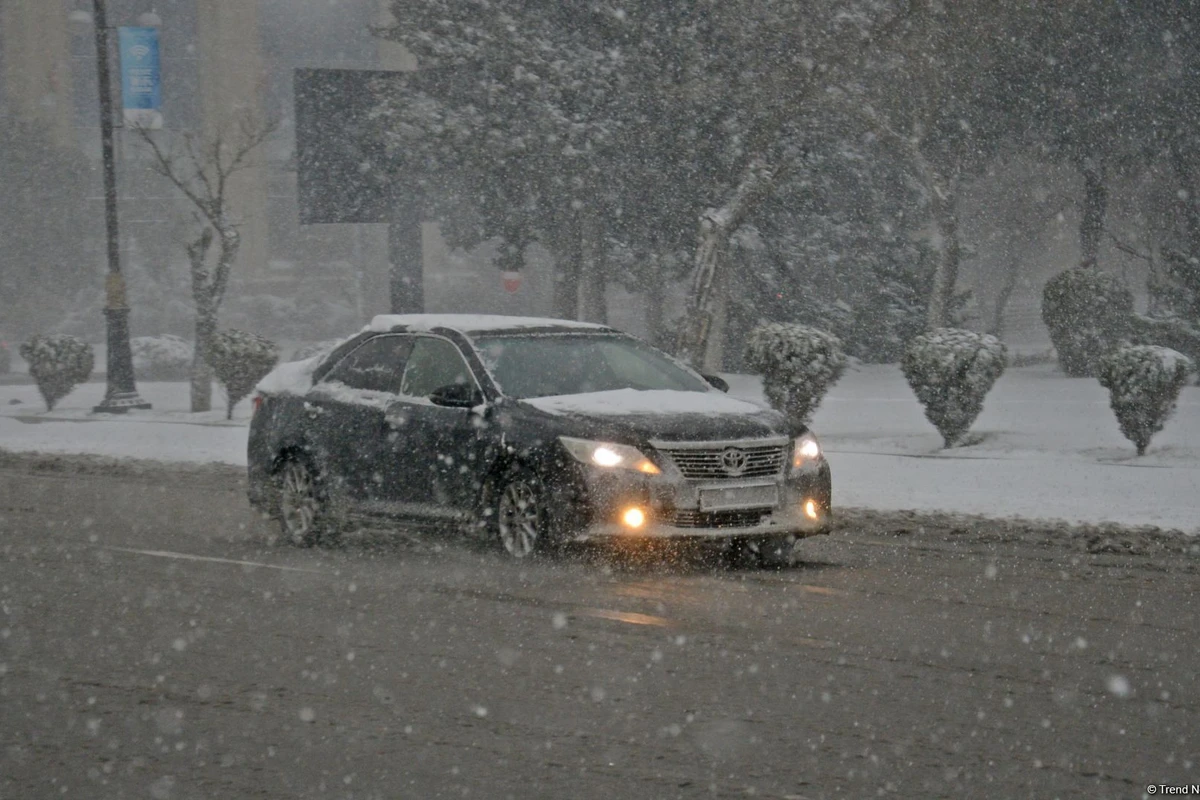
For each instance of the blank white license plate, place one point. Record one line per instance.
(739, 497)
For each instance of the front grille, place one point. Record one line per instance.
(741, 518)
(712, 463)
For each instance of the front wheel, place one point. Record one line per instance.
(777, 552)
(770, 552)
(521, 514)
(302, 509)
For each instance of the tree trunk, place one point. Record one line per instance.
(593, 305)
(202, 374)
(1095, 206)
(208, 289)
(949, 251)
(1188, 202)
(566, 274)
(714, 348)
(231, 240)
(716, 226)
(656, 298)
(1011, 271)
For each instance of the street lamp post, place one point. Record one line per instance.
(120, 394)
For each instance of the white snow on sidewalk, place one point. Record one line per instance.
(1045, 446)
(167, 432)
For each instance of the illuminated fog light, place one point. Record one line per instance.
(634, 517)
(606, 457)
(810, 509)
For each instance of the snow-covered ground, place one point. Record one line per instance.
(1045, 447)
(168, 432)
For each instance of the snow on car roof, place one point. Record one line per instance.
(644, 401)
(473, 323)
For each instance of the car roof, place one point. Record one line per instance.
(475, 324)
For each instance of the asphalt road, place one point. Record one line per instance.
(154, 643)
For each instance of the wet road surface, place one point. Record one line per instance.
(155, 643)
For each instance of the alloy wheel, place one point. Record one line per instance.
(519, 518)
(298, 504)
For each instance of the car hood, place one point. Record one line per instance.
(664, 414)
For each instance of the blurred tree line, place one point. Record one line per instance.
(801, 161)
(791, 161)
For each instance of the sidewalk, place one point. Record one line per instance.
(1045, 447)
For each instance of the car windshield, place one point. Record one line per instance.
(543, 365)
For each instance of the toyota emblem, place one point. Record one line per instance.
(734, 461)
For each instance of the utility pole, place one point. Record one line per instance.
(120, 394)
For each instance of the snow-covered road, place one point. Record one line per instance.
(1045, 447)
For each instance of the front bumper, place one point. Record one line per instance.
(771, 525)
(673, 507)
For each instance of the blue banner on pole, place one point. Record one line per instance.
(141, 85)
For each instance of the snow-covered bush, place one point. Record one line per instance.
(311, 349)
(798, 365)
(1087, 313)
(161, 358)
(951, 370)
(240, 360)
(1143, 383)
(58, 363)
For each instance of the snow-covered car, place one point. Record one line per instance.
(531, 431)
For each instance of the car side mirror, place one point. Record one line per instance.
(456, 395)
(717, 381)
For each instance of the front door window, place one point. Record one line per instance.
(432, 365)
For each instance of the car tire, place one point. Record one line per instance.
(303, 507)
(777, 552)
(520, 513)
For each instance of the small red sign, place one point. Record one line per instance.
(512, 280)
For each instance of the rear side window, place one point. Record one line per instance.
(376, 366)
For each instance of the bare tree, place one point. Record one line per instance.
(201, 168)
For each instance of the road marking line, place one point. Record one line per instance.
(631, 617)
(804, 587)
(213, 559)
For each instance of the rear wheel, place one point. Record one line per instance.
(302, 507)
(521, 514)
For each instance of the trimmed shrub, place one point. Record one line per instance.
(1143, 383)
(240, 360)
(161, 358)
(951, 370)
(1173, 333)
(58, 363)
(1087, 313)
(798, 365)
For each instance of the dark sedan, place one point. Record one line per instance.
(533, 432)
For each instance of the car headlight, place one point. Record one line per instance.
(805, 450)
(609, 455)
